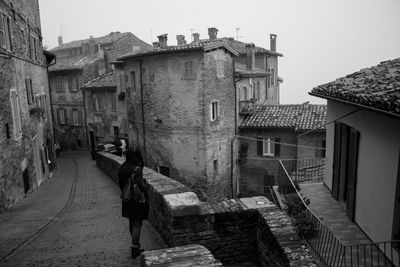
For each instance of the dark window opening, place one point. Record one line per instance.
(25, 178)
(7, 126)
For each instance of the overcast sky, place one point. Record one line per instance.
(321, 40)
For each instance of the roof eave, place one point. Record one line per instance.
(388, 113)
(153, 53)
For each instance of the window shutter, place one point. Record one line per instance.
(8, 30)
(2, 33)
(28, 91)
(352, 172)
(80, 119)
(259, 146)
(71, 112)
(277, 147)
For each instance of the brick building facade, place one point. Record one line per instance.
(275, 132)
(181, 112)
(26, 135)
(79, 62)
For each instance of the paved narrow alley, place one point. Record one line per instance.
(74, 219)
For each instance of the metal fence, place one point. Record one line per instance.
(323, 241)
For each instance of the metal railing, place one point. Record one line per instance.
(305, 170)
(324, 242)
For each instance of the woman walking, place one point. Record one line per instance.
(136, 212)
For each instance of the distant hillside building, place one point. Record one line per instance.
(79, 62)
(26, 134)
(181, 112)
(272, 133)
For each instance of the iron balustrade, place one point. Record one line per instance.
(328, 247)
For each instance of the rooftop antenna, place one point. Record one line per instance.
(237, 33)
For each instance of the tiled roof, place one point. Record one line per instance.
(178, 48)
(240, 47)
(73, 62)
(107, 80)
(112, 37)
(241, 70)
(299, 117)
(377, 88)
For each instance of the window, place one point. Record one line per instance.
(15, 109)
(116, 132)
(61, 116)
(29, 91)
(114, 102)
(133, 81)
(59, 84)
(271, 77)
(243, 94)
(320, 152)
(122, 82)
(189, 73)
(71, 83)
(267, 146)
(220, 69)
(76, 84)
(164, 171)
(98, 104)
(75, 117)
(257, 94)
(5, 32)
(41, 101)
(215, 166)
(214, 110)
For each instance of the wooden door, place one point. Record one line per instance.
(352, 173)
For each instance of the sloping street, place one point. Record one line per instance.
(74, 219)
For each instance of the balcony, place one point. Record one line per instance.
(325, 226)
(247, 107)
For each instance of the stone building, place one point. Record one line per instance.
(275, 132)
(105, 110)
(181, 112)
(256, 68)
(79, 62)
(26, 137)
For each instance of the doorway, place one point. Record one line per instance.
(92, 140)
(25, 178)
(345, 166)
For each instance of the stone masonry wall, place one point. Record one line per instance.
(235, 230)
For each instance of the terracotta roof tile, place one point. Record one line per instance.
(299, 117)
(377, 87)
(241, 69)
(177, 48)
(73, 62)
(107, 80)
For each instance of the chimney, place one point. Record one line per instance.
(196, 37)
(250, 55)
(212, 33)
(272, 45)
(156, 44)
(180, 39)
(60, 40)
(162, 39)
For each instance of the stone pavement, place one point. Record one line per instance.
(73, 219)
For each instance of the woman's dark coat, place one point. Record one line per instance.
(128, 210)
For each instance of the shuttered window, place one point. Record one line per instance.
(5, 32)
(15, 109)
(214, 110)
(267, 146)
(75, 117)
(114, 102)
(29, 91)
(61, 116)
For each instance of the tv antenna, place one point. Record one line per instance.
(237, 33)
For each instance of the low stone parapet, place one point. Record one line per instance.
(191, 255)
(234, 230)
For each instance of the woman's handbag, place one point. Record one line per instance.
(128, 193)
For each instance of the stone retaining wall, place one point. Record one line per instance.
(235, 230)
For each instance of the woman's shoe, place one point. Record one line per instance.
(135, 252)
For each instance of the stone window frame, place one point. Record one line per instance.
(62, 120)
(75, 117)
(29, 91)
(214, 110)
(5, 30)
(16, 114)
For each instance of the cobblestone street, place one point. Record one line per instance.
(74, 219)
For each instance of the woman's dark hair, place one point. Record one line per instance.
(134, 157)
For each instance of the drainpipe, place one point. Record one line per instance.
(85, 116)
(51, 111)
(142, 105)
(236, 130)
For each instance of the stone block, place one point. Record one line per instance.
(258, 202)
(183, 204)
